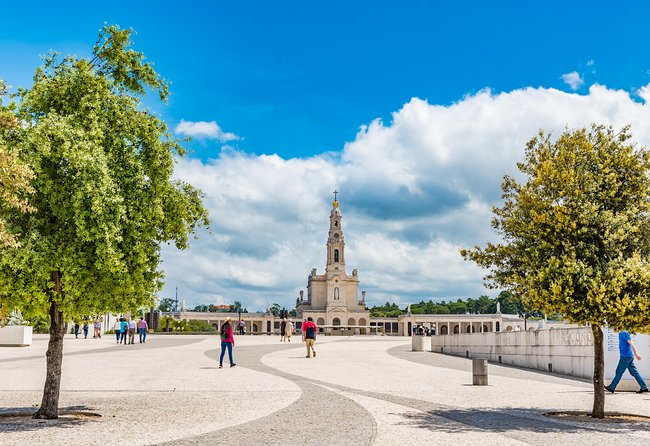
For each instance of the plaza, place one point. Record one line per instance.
(359, 390)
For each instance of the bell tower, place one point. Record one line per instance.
(335, 241)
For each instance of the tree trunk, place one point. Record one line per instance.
(598, 410)
(50, 404)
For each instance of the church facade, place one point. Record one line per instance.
(333, 298)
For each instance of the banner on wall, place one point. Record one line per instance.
(642, 344)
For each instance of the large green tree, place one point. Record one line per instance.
(104, 197)
(15, 176)
(575, 234)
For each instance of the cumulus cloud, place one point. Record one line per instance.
(204, 130)
(413, 192)
(573, 80)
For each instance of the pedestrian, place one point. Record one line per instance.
(132, 326)
(85, 328)
(289, 330)
(124, 329)
(309, 330)
(117, 327)
(76, 330)
(242, 327)
(627, 352)
(97, 326)
(227, 342)
(142, 329)
(283, 329)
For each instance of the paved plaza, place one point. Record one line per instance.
(359, 390)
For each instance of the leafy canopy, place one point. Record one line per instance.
(103, 196)
(575, 231)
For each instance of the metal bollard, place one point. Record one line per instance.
(479, 372)
(417, 343)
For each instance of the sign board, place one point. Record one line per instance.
(642, 344)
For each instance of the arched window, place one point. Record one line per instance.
(336, 237)
(336, 293)
(336, 255)
(336, 223)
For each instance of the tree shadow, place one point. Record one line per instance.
(19, 419)
(509, 419)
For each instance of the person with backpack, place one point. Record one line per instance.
(117, 327)
(283, 330)
(227, 342)
(309, 335)
(124, 329)
(289, 329)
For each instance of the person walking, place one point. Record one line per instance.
(242, 326)
(289, 330)
(85, 329)
(627, 352)
(132, 326)
(142, 330)
(76, 330)
(124, 329)
(117, 327)
(227, 342)
(309, 330)
(283, 329)
(97, 325)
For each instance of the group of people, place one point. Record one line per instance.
(97, 326)
(286, 330)
(309, 331)
(123, 328)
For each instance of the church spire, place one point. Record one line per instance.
(335, 240)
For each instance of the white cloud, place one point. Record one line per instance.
(413, 191)
(204, 129)
(573, 80)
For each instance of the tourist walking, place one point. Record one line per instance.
(227, 342)
(242, 327)
(85, 329)
(309, 330)
(283, 329)
(627, 352)
(97, 325)
(117, 328)
(76, 330)
(132, 326)
(142, 330)
(289, 330)
(124, 329)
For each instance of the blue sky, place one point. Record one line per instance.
(414, 110)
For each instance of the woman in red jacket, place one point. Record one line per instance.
(227, 342)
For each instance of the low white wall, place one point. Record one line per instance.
(567, 350)
(16, 336)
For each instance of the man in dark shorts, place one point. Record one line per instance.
(309, 330)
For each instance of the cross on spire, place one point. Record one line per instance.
(335, 194)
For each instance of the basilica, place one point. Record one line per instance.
(333, 297)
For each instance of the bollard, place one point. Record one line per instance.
(479, 372)
(417, 343)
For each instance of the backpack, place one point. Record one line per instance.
(223, 332)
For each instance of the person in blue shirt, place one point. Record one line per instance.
(628, 352)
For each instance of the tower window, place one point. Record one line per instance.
(336, 255)
(336, 223)
(336, 237)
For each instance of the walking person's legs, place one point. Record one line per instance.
(223, 352)
(117, 336)
(623, 364)
(635, 373)
(229, 346)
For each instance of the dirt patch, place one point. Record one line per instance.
(610, 417)
(21, 420)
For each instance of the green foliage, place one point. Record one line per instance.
(274, 309)
(197, 326)
(575, 232)
(166, 305)
(387, 310)
(103, 196)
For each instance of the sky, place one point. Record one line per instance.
(413, 110)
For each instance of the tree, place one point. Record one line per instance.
(166, 304)
(575, 234)
(236, 307)
(15, 175)
(274, 309)
(103, 196)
